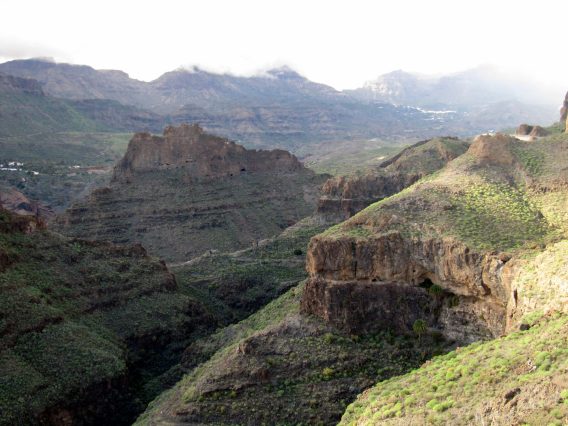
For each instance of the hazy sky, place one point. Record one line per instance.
(341, 43)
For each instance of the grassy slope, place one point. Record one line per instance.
(348, 157)
(487, 207)
(518, 379)
(280, 365)
(26, 113)
(74, 315)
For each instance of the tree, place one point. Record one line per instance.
(419, 327)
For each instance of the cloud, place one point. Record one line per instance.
(22, 49)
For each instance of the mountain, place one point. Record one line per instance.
(467, 254)
(481, 92)
(78, 82)
(188, 191)
(281, 108)
(472, 87)
(26, 109)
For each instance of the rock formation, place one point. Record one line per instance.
(16, 202)
(366, 270)
(187, 191)
(199, 155)
(344, 196)
(529, 130)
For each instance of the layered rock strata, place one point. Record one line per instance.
(187, 192)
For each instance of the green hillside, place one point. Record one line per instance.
(80, 325)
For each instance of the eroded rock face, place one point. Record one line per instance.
(493, 149)
(199, 155)
(360, 285)
(344, 196)
(187, 192)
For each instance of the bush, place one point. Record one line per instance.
(327, 373)
(419, 327)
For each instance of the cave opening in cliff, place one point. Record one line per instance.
(427, 283)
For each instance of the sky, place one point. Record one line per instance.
(340, 43)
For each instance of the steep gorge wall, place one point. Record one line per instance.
(375, 283)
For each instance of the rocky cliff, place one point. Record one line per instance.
(457, 237)
(16, 202)
(187, 191)
(199, 155)
(344, 196)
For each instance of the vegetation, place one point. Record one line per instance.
(235, 285)
(74, 317)
(279, 364)
(478, 382)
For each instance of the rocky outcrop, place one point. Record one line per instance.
(364, 285)
(199, 155)
(187, 192)
(493, 149)
(533, 131)
(16, 202)
(343, 196)
(21, 85)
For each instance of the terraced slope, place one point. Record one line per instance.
(83, 325)
(189, 192)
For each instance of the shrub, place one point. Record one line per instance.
(419, 327)
(327, 373)
(435, 290)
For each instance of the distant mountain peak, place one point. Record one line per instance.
(284, 72)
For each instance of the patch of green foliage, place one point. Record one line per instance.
(456, 387)
(491, 215)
